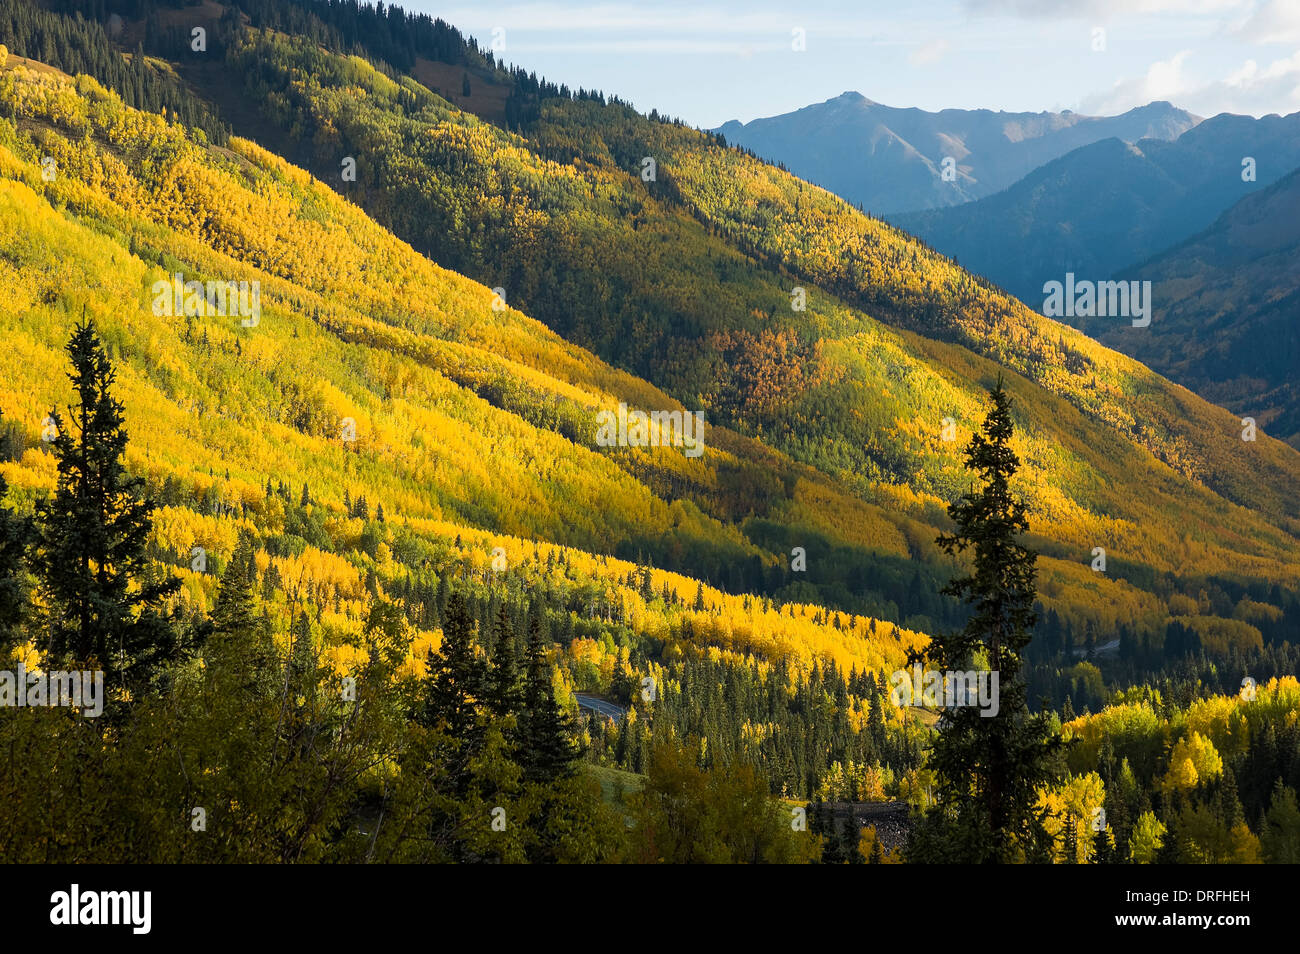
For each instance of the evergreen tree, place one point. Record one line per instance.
(1103, 853)
(821, 822)
(234, 611)
(990, 767)
(547, 750)
(90, 550)
(503, 693)
(1071, 833)
(239, 640)
(454, 685)
(302, 656)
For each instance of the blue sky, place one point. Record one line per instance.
(708, 62)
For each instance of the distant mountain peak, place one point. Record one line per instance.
(888, 159)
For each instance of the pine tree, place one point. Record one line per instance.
(547, 750)
(1103, 853)
(503, 693)
(1228, 807)
(90, 551)
(302, 656)
(234, 611)
(821, 821)
(454, 685)
(990, 767)
(240, 639)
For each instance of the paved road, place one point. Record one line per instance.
(607, 709)
(1104, 649)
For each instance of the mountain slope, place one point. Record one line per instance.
(460, 412)
(889, 160)
(1227, 304)
(687, 280)
(1108, 205)
(399, 449)
(627, 269)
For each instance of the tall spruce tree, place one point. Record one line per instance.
(455, 681)
(240, 640)
(102, 602)
(503, 693)
(547, 751)
(989, 768)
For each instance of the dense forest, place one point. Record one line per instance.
(367, 551)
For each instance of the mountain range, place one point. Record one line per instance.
(1111, 204)
(1227, 301)
(890, 160)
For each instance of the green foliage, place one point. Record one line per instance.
(686, 814)
(546, 749)
(91, 539)
(990, 766)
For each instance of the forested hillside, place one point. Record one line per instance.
(689, 281)
(1228, 298)
(389, 471)
(471, 425)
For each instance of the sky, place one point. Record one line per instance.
(706, 62)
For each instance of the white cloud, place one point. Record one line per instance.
(1077, 9)
(1246, 89)
(1276, 22)
(930, 52)
(1163, 80)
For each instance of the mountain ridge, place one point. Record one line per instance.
(990, 150)
(1227, 297)
(1110, 204)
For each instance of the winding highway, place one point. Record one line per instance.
(599, 706)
